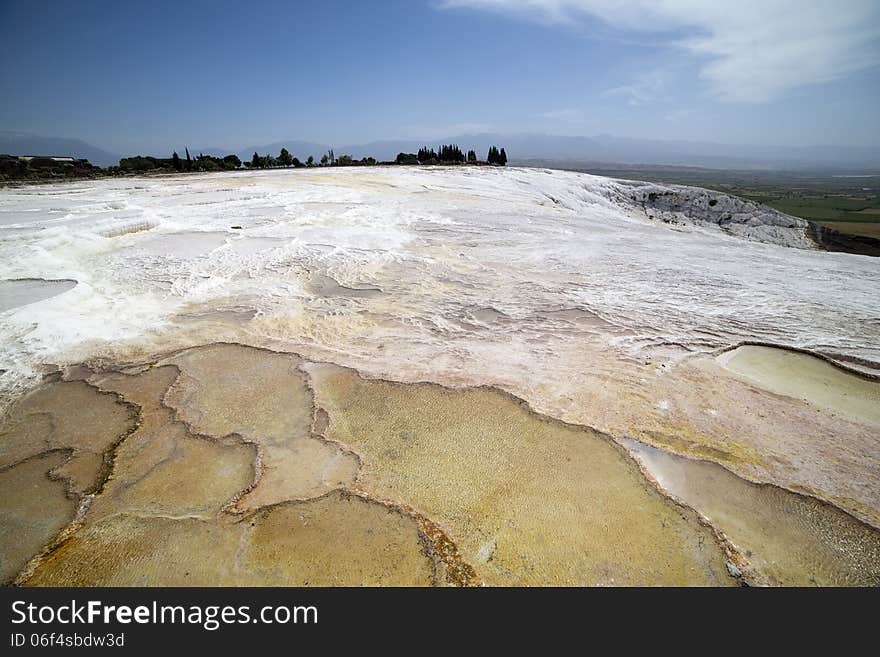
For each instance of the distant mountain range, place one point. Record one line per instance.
(521, 148)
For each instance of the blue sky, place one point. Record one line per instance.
(153, 76)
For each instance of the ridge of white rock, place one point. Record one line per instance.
(694, 206)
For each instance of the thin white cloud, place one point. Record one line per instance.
(751, 50)
(646, 88)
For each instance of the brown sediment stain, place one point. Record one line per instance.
(77, 429)
(34, 508)
(68, 415)
(450, 568)
(336, 539)
(450, 563)
(163, 468)
(333, 540)
(262, 396)
(77, 373)
(161, 517)
(526, 499)
(448, 486)
(782, 537)
(683, 440)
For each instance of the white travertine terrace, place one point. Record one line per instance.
(555, 286)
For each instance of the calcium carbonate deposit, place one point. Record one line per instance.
(445, 260)
(619, 306)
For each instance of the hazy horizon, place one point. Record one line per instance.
(153, 78)
(431, 141)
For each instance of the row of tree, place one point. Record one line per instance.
(285, 159)
(496, 157)
(445, 154)
(12, 167)
(140, 163)
(451, 154)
